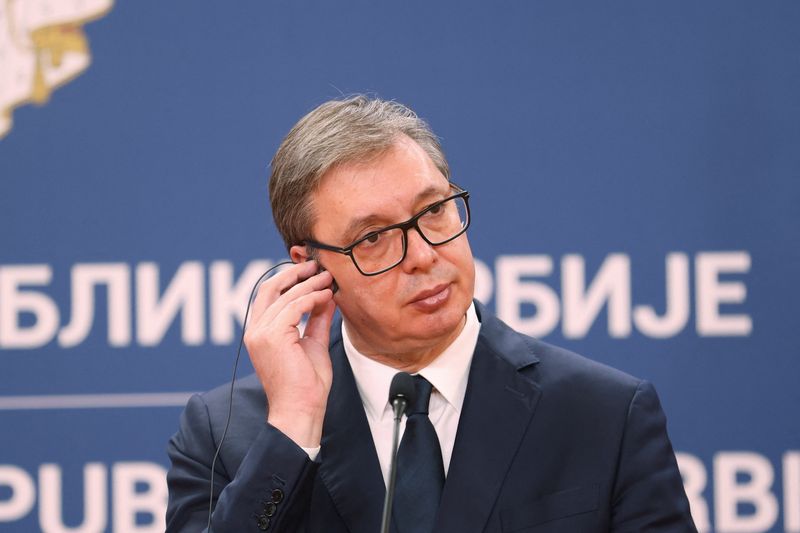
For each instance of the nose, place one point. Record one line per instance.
(419, 254)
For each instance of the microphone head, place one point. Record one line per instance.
(402, 387)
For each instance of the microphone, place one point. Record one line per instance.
(401, 394)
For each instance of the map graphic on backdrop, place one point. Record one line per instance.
(42, 47)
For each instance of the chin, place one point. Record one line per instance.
(441, 323)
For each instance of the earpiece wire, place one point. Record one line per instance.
(233, 382)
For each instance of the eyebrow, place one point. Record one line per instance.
(354, 225)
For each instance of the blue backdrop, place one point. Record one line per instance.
(634, 177)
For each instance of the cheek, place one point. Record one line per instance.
(461, 257)
(370, 300)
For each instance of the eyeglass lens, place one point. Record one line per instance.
(386, 249)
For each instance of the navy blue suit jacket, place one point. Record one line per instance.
(548, 441)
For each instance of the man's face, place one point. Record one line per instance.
(417, 308)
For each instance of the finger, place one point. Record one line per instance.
(292, 313)
(271, 289)
(316, 282)
(319, 335)
(282, 328)
(277, 319)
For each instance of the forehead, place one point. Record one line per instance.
(385, 189)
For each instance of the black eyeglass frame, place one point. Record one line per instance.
(412, 222)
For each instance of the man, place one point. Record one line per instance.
(507, 433)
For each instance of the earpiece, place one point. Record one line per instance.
(334, 285)
(320, 268)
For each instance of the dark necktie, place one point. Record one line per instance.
(420, 471)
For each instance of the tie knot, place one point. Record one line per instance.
(423, 389)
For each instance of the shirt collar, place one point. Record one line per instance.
(448, 373)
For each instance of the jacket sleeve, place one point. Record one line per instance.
(648, 491)
(270, 490)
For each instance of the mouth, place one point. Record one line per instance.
(431, 298)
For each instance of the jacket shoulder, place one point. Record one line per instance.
(561, 367)
(548, 365)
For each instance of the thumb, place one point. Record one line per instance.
(318, 326)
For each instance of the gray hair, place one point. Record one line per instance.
(337, 132)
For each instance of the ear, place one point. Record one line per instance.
(299, 253)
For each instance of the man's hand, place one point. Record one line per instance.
(295, 371)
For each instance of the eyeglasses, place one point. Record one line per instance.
(385, 248)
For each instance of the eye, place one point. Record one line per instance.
(435, 210)
(371, 239)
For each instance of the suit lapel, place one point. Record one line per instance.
(498, 407)
(349, 463)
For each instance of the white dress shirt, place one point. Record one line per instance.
(448, 374)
